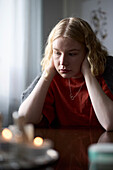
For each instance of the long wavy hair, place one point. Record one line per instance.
(79, 30)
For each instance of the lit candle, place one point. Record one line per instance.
(9, 149)
(7, 134)
(38, 141)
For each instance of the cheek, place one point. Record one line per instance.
(80, 59)
(55, 61)
(76, 64)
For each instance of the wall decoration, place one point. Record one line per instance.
(99, 22)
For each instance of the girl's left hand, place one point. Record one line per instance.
(85, 68)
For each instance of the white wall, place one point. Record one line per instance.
(72, 8)
(105, 6)
(52, 12)
(83, 9)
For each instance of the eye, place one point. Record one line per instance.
(57, 53)
(72, 54)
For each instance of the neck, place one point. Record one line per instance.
(78, 76)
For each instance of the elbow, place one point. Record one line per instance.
(21, 113)
(107, 121)
(108, 128)
(23, 110)
(29, 118)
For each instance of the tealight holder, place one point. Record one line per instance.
(19, 149)
(100, 156)
(8, 151)
(31, 152)
(17, 154)
(8, 148)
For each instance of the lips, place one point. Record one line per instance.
(64, 70)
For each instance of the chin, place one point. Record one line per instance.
(66, 76)
(71, 76)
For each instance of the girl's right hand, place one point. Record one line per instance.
(50, 70)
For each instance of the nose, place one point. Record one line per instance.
(63, 60)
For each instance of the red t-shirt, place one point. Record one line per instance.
(78, 112)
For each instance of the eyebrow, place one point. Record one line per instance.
(70, 50)
(74, 50)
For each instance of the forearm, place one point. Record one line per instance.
(32, 107)
(102, 104)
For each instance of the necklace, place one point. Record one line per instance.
(71, 95)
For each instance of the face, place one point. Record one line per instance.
(68, 56)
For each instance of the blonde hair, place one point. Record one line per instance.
(79, 30)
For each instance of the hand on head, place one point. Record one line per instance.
(50, 69)
(85, 66)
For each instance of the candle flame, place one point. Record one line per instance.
(7, 134)
(38, 141)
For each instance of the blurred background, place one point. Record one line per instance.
(24, 28)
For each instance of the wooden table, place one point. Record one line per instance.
(72, 145)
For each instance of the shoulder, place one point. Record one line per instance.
(29, 89)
